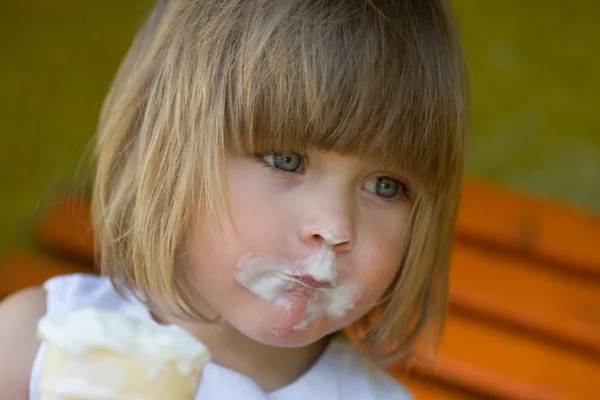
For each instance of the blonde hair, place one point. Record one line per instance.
(380, 79)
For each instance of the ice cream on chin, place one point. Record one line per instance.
(97, 354)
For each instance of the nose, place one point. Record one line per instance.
(327, 216)
(339, 237)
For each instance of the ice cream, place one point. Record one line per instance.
(277, 281)
(97, 354)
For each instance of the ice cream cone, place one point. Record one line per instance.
(94, 354)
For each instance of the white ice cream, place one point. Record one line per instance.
(105, 355)
(271, 278)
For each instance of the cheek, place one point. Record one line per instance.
(256, 213)
(384, 268)
(379, 265)
(211, 262)
(254, 225)
(213, 258)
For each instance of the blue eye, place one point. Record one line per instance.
(288, 162)
(384, 187)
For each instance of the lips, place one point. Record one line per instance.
(309, 281)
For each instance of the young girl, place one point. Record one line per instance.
(270, 174)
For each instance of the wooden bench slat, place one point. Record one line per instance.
(67, 227)
(538, 227)
(21, 269)
(543, 301)
(477, 352)
(424, 389)
(479, 383)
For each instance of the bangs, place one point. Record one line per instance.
(353, 79)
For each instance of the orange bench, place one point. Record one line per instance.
(524, 320)
(23, 269)
(546, 231)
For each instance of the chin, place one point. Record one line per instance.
(282, 327)
(287, 336)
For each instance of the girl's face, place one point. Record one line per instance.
(316, 242)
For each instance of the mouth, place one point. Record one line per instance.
(310, 282)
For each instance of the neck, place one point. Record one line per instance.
(270, 367)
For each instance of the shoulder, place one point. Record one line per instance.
(69, 293)
(19, 315)
(83, 287)
(363, 378)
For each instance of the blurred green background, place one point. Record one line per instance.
(534, 65)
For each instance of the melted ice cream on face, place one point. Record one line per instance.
(271, 278)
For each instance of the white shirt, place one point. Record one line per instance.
(340, 373)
